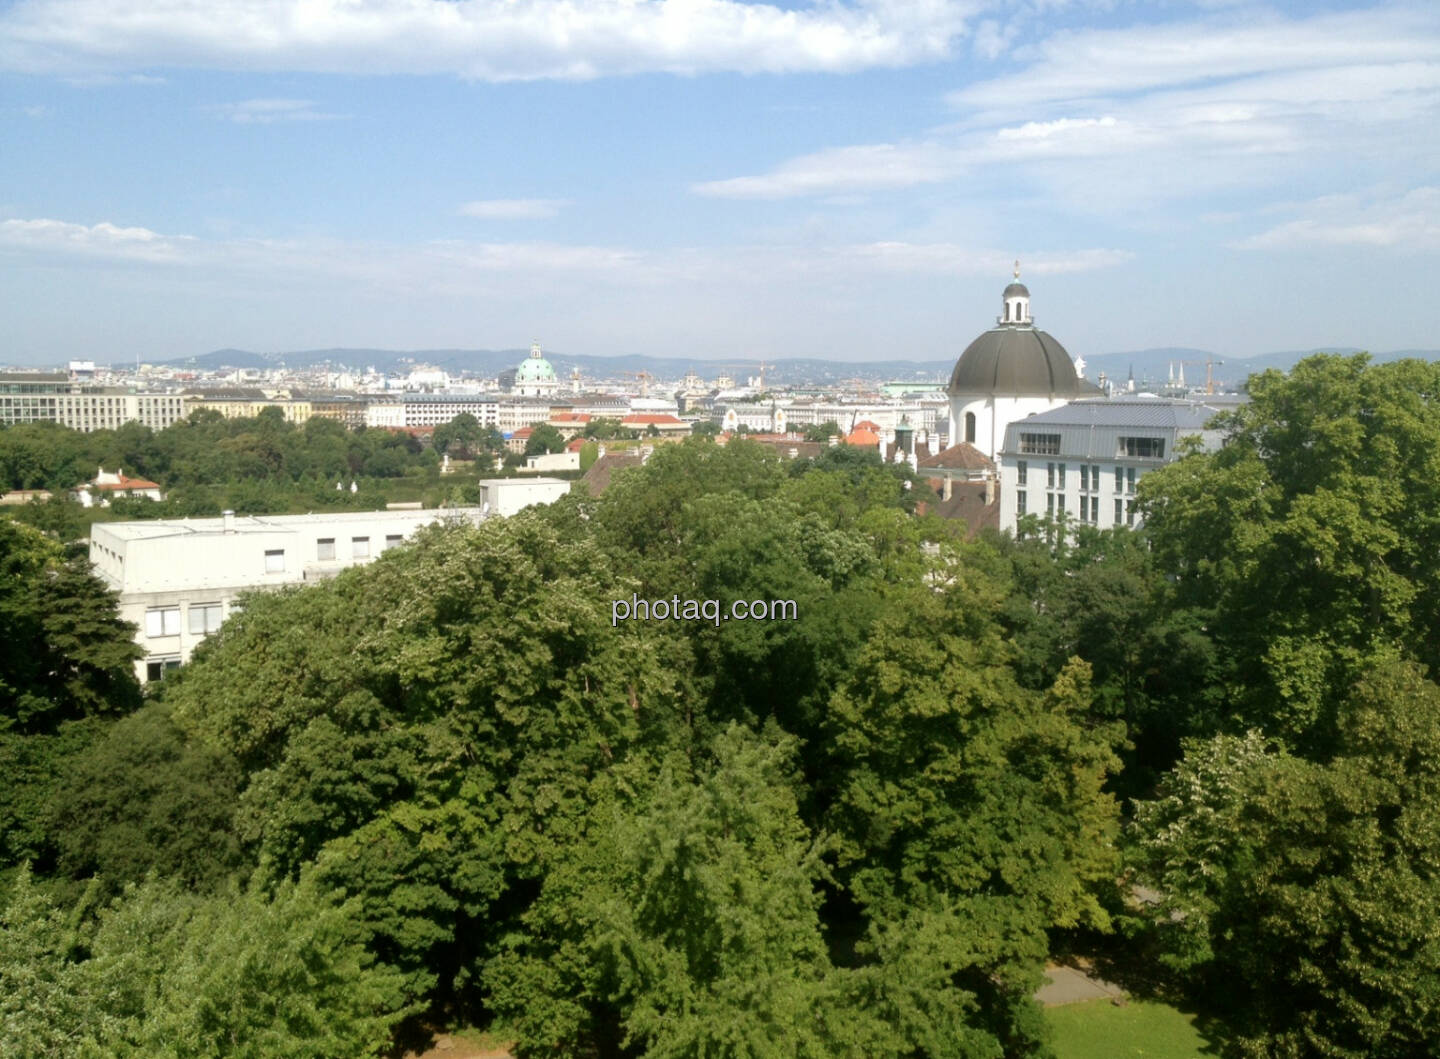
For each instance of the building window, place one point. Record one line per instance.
(1060, 476)
(1050, 503)
(1129, 479)
(1119, 479)
(156, 668)
(1049, 476)
(360, 547)
(393, 540)
(1040, 444)
(1095, 477)
(1119, 510)
(275, 561)
(205, 618)
(1020, 471)
(1020, 502)
(970, 427)
(1129, 512)
(1059, 503)
(1084, 478)
(162, 621)
(325, 548)
(1143, 448)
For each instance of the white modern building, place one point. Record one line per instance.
(41, 397)
(178, 579)
(545, 462)
(434, 409)
(506, 496)
(1083, 460)
(1012, 371)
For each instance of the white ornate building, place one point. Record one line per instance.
(1012, 371)
(535, 377)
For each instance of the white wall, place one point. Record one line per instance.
(189, 562)
(506, 496)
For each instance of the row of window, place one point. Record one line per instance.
(1132, 448)
(1089, 507)
(205, 618)
(1055, 477)
(325, 551)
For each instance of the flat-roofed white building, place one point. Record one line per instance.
(434, 409)
(178, 579)
(506, 496)
(1084, 459)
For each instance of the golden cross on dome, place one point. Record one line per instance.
(1017, 268)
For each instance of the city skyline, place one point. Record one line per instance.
(714, 179)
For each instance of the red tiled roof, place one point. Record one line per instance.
(575, 445)
(127, 483)
(861, 436)
(570, 417)
(866, 424)
(961, 457)
(523, 432)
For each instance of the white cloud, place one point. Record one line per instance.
(454, 264)
(1406, 222)
(843, 169)
(103, 240)
(270, 111)
(493, 40)
(1073, 67)
(1115, 120)
(513, 209)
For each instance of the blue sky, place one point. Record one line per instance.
(714, 178)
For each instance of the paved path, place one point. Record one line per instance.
(1071, 985)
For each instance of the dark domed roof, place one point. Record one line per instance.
(1015, 362)
(1016, 290)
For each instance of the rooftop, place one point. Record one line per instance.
(260, 524)
(1126, 412)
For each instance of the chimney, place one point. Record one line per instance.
(989, 489)
(229, 517)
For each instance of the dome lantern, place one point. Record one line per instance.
(1015, 303)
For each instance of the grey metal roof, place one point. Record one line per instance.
(1016, 289)
(1128, 412)
(1092, 429)
(1015, 361)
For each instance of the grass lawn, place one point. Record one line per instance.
(1097, 1029)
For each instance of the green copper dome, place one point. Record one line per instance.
(535, 369)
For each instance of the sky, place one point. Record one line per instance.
(849, 179)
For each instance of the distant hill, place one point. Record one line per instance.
(1149, 364)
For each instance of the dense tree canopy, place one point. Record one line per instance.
(457, 784)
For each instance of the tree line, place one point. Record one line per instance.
(443, 787)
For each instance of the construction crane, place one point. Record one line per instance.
(1209, 363)
(644, 377)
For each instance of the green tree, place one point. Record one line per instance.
(145, 798)
(544, 438)
(970, 811)
(1301, 895)
(163, 973)
(687, 925)
(64, 652)
(822, 431)
(1308, 541)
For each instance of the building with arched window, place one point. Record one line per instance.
(1011, 371)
